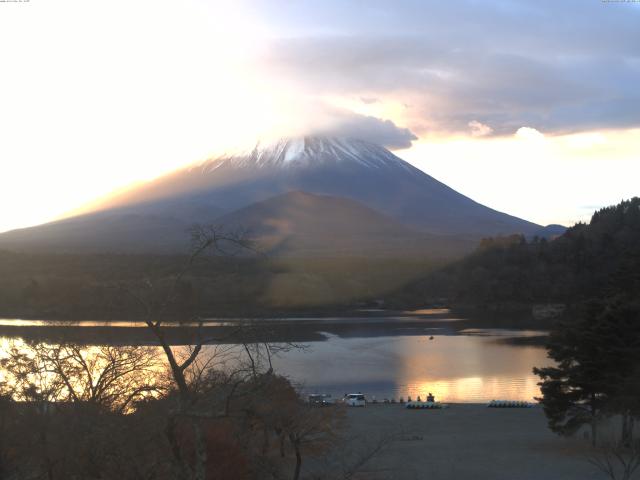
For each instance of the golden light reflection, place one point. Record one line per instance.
(469, 368)
(460, 390)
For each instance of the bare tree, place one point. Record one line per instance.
(75, 398)
(113, 377)
(188, 371)
(617, 460)
(27, 376)
(312, 430)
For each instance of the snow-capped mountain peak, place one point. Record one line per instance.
(308, 151)
(342, 168)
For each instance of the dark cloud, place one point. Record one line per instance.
(555, 66)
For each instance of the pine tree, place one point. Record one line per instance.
(574, 391)
(598, 362)
(619, 328)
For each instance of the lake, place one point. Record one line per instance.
(466, 368)
(383, 356)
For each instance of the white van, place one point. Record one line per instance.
(355, 400)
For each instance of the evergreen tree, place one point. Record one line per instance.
(598, 362)
(619, 330)
(573, 392)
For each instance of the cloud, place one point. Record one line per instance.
(479, 129)
(504, 63)
(371, 129)
(310, 116)
(529, 134)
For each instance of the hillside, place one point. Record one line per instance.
(303, 224)
(595, 260)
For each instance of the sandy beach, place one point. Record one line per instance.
(470, 441)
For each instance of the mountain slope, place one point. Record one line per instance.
(348, 168)
(153, 217)
(291, 224)
(299, 223)
(101, 233)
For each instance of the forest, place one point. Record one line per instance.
(600, 259)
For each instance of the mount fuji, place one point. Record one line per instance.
(311, 195)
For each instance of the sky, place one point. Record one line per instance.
(529, 107)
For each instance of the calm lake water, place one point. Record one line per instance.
(386, 357)
(462, 368)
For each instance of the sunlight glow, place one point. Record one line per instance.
(103, 103)
(99, 95)
(545, 179)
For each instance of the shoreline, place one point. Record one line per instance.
(316, 329)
